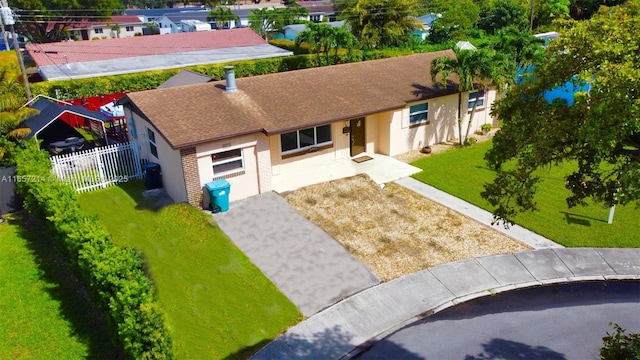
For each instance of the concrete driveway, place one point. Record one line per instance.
(312, 269)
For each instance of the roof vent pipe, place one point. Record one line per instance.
(231, 79)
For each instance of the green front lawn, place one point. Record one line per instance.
(462, 172)
(43, 314)
(217, 303)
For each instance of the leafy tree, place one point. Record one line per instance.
(546, 11)
(584, 9)
(503, 13)
(459, 17)
(521, 48)
(265, 21)
(476, 70)
(323, 38)
(599, 132)
(222, 15)
(12, 97)
(381, 22)
(43, 21)
(620, 346)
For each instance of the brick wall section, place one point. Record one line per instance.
(264, 163)
(191, 176)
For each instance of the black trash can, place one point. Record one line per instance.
(152, 176)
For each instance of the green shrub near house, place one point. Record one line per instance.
(217, 303)
(113, 275)
(463, 172)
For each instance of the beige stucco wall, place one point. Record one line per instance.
(339, 150)
(243, 184)
(481, 115)
(169, 159)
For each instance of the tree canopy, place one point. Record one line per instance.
(598, 132)
(222, 16)
(324, 38)
(266, 21)
(43, 21)
(381, 22)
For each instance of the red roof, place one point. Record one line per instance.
(108, 49)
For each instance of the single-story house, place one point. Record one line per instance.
(427, 21)
(118, 26)
(319, 11)
(149, 15)
(254, 130)
(83, 59)
(290, 32)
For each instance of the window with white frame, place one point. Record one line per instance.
(419, 113)
(472, 99)
(227, 162)
(128, 28)
(152, 143)
(305, 139)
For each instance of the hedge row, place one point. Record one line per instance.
(114, 275)
(79, 88)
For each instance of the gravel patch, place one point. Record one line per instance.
(393, 230)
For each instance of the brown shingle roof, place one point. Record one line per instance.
(276, 103)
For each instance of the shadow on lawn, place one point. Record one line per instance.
(75, 306)
(155, 200)
(578, 219)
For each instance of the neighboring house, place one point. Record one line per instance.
(194, 25)
(273, 123)
(150, 15)
(465, 45)
(427, 21)
(290, 32)
(119, 26)
(319, 11)
(170, 23)
(82, 59)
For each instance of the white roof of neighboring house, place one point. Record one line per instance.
(465, 45)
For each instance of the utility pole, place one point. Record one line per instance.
(7, 19)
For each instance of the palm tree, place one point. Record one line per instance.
(262, 21)
(322, 38)
(222, 15)
(11, 113)
(476, 70)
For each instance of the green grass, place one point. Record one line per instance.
(217, 303)
(43, 314)
(462, 172)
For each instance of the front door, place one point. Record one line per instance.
(357, 136)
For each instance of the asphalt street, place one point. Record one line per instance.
(554, 322)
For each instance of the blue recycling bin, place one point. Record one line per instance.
(219, 194)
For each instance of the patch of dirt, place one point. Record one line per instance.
(395, 231)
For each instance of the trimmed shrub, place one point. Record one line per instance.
(114, 275)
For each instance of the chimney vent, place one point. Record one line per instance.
(231, 79)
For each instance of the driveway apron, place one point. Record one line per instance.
(311, 268)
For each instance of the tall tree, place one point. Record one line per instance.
(520, 48)
(381, 22)
(475, 69)
(324, 38)
(43, 21)
(222, 16)
(598, 133)
(262, 21)
(12, 97)
(503, 13)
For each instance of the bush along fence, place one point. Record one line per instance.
(114, 275)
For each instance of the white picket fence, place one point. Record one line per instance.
(99, 167)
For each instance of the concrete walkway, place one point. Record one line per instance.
(340, 330)
(515, 231)
(312, 269)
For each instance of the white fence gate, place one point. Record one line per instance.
(99, 167)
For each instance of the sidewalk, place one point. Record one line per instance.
(515, 231)
(341, 330)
